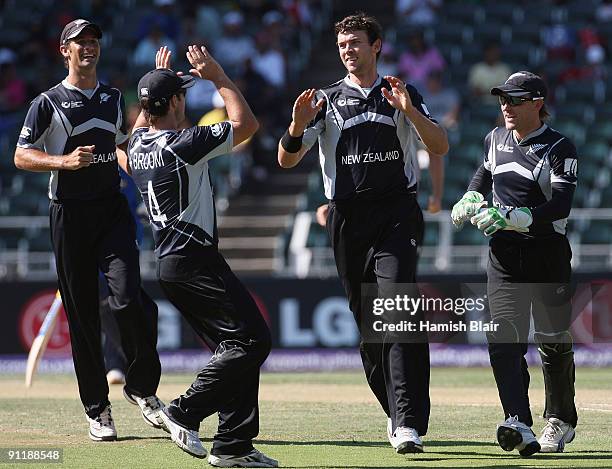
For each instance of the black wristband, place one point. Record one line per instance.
(290, 143)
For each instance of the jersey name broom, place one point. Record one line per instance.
(170, 169)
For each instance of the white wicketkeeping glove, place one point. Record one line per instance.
(467, 207)
(494, 219)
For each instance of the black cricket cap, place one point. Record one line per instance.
(162, 83)
(521, 84)
(76, 27)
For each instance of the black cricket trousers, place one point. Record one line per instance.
(524, 280)
(88, 237)
(375, 242)
(224, 315)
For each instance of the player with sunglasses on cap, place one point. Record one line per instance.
(531, 170)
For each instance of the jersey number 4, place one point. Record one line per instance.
(154, 210)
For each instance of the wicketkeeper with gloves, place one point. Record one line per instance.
(531, 171)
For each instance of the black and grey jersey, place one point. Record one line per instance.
(524, 173)
(64, 118)
(170, 169)
(367, 149)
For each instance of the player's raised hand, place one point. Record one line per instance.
(80, 157)
(398, 97)
(305, 109)
(162, 57)
(204, 65)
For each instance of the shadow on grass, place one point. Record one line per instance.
(426, 444)
(132, 438)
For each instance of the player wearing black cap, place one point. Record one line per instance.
(368, 127)
(531, 170)
(77, 130)
(170, 168)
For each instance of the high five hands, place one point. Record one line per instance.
(398, 97)
(305, 109)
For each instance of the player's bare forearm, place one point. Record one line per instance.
(433, 136)
(289, 160)
(122, 158)
(239, 112)
(32, 159)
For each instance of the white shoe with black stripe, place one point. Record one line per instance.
(187, 440)
(150, 406)
(102, 428)
(254, 458)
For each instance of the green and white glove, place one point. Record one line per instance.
(467, 207)
(494, 219)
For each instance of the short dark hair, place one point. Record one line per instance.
(152, 113)
(544, 114)
(360, 22)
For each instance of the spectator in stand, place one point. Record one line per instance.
(269, 62)
(560, 42)
(387, 62)
(234, 46)
(150, 45)
(208, 23)
(163, 18)
(486, 74)
(13, 92)
(603, 13)
(443, 103)
(419, 60)
(274, 26)
(417, 12)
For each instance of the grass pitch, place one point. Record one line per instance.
(321, 420)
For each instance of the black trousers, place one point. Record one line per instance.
(92, 236)
(224, 315)
(523, 281)
(375, 242)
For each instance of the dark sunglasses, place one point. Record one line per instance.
(514, 100)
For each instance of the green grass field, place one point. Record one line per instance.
(323, 420)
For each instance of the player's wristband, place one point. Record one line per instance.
(290, 143)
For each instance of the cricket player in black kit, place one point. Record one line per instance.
(531, 170)
(73, 130)
(170, 168)
(368, 127)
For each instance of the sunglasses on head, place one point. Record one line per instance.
(514, 100)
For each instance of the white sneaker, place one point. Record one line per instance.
(406, 440)
(102, 428)
(555, 435)
(150, 406)
(115, 376)
(513, 434)
(254, 458)
(187, 440)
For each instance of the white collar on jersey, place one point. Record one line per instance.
(88, 92)
(364, 91)
(535, 133)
